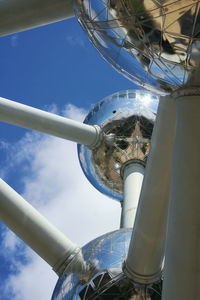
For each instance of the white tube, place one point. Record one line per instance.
(133, 174)
(146, 251)
(182, 261)
(36, 119)
(19, 15)
(36, 231)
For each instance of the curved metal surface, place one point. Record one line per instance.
(154, 43)
(126, 119)
(106, 254)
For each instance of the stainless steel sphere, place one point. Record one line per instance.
(107, 253)
(153, 43)
(126, 119)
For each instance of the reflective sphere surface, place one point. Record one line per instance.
(126, 119)
(153, 43)
(107, 253)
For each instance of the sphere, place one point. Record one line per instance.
(126, 119)
(156, 44)
(107, 253)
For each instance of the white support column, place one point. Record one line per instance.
(182, 262)
(46, 240)
(146, 251)
(19, 15)
(28, 117)
(132, 175)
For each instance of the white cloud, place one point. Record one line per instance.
(56, 186)
(74, 112)
(34, 280)
(10, 240)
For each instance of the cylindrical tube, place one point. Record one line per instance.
(133, 174)
(36, 119)
(19, 15)
(182, 263)
(46, 240)
(146, 251)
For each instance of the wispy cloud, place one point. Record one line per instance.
(56, 186)
(14, 40)
(75, 41)
(4, 145)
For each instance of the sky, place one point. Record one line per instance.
(54, 68)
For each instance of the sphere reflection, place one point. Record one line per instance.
(126, 119)
(153, 43)
(107, 253)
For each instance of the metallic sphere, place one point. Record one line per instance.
(154, 43)
(126, 119)
(107, 253)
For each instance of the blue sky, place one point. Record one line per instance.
(54, 68)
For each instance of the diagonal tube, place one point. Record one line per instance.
(28, 117)
(145, 255)
(19, 15)
(45, 239)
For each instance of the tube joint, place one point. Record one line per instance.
(98, 138)
(141, 278)
(60, 267)
(131, 162)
